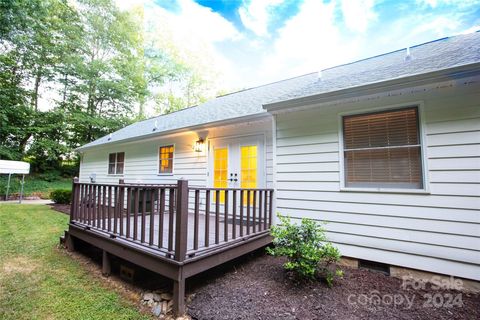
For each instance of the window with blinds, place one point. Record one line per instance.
(383, 150)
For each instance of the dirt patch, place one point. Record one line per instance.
(131, 292)
(128, 291)
(260, 289)
(256, 287)
(63, 208)
(22, 265)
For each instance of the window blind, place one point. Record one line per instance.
(383, 149)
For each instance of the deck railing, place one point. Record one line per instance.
(176, 220)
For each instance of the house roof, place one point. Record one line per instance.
(425, 58)
(245, 103)
(441, 54)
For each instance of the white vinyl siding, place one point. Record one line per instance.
(437, 230)
(142, 163)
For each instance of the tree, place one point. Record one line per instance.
(33, 40)
(108, 83)
(94, 66)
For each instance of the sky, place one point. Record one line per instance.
(253, 42)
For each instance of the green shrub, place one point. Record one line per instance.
(49, 176)
(61, 196)
(308, 252)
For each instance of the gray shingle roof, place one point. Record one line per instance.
(428, 57)
(424, 58)
(244, 103)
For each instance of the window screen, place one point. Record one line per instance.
(166, 159)
(382, 150)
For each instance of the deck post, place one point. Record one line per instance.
(179, 296)
(181, 228)
(73, 199)
(106, 264)
(69, 243)
(181, 225)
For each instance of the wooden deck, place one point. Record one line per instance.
(174, 230)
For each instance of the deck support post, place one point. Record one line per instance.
(179, 296)
(69, 243)
(74, 199)
(181, 229)
(181, 226)
(106, 264)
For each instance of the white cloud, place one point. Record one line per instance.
(129, 4)
(431, 3)
(191, 34)
(313, 39)
(357, 14)
(308, 42)
(256, 15)
(470, 30)
(458, 3)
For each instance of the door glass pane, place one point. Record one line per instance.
(248, 169)
(220, 171)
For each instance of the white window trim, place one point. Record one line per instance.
(124, 162)
(421, 123)
(168, 174)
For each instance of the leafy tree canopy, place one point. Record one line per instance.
(73, 71)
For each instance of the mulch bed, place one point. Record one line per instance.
(63, 208)
(260, 289)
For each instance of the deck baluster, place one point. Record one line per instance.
(144, 209)
(242, 195)
(129, 209)
(254, 211)
(207, 218)
(136, 201)
(260, 217)
(196, 219)
(265, 211)
(234, 214)
(152, 217)
(115, 209)
(171, 216)
(109, 208)
(225, 223)
(161, 216)
(217, 216)
(270, 208)
(248, 212)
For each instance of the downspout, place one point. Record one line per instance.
(274, 164)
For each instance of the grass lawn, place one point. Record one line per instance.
(34, 185)
(39, 281)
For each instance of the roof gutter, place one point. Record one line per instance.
(257, 116)
(463, 71)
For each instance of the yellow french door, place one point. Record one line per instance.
(248, 169)
(237, 163)
(248, 166)
(220, 171)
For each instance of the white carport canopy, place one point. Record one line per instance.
(14, 167)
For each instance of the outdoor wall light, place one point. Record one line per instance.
(198, 145)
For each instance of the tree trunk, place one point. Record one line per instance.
(34, 103)
(65, 85)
